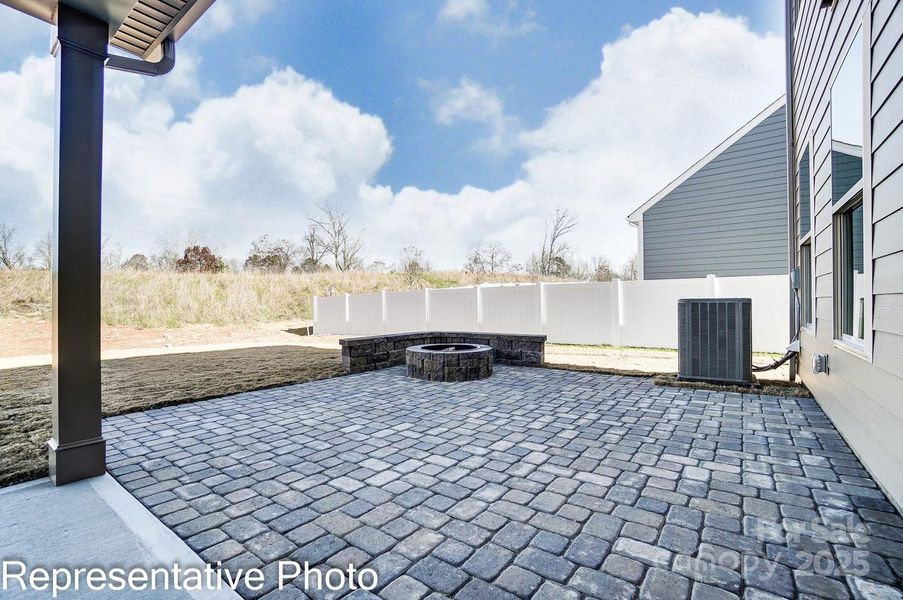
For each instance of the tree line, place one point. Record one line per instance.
(330, 242)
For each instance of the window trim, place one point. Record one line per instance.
(863, 188)
(808, 241)
(808, 238)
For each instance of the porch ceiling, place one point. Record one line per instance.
(136, 26)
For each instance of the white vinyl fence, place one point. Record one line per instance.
(619, 313)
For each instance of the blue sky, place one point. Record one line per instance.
(444, 115)
(378, 55)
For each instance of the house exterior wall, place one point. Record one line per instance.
(727, 219)
(861, 393)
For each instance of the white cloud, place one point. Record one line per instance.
(478, 17)
(667, 93)
(258, 160)
(470, 101)
(226, 14)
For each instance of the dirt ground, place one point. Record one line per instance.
(147, 368)
(26, 342)
(643, 360)
(29, 337)
(140, 383)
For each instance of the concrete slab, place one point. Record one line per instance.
(92, 523)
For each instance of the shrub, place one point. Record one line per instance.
(138, 262)
(200, 259)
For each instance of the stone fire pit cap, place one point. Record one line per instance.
(450, 348)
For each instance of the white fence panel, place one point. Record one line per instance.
(627, 313)
(365, 314)
(405, 311)
(329, 315)
(452, 309)
(649, 310)
(580, 313)
(770, 307)
(510, 308)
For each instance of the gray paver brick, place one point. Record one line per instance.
(587, 550)
(601, 585)
(606, 527)
(477, 589)
(544, 564)
(453, 552)
(553, 470)
(678, 539)
(643, 552)
(487, 562)
(419, 544)
(518, 581)
(553, 591)
(550, 542)
(370, 540)
(404, 588)
(623, 568)
(438, 575)
(661, 583)
(270, 546)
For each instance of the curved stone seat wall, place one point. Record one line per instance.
(382, 351)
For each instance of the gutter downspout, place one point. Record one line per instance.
(144, 67)
(791, 157)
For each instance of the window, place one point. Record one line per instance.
(805, 237)
(847, 124)
(806, 283)
(852, 274)
(804, 195)
(850, 199)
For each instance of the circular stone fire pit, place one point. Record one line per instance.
(449, 362)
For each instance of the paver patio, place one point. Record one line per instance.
(534, 483)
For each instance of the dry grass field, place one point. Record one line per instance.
(168, 299)
(141, 383)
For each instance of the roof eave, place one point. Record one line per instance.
(636, 216)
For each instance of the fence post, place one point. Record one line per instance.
(710, 286)
(542, 308)
(616, 316)
(347, 310)
(426, 307)
(383, 312)
(479, 292)
(316, 313)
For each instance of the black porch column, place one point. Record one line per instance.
(77, 449)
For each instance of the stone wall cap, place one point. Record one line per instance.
(354, 341)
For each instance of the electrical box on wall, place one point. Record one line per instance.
(795, 278)
(820, 363)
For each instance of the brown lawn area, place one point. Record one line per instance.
(140, 383)
(152, 367)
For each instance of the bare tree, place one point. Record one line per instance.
(378, 266)
(490, 258)
(336, 238)
(12, 254)
(555, 253)
(312, 251)
(271, 256)
(602, 270)
(413, 266)
(170, 248)
(110, 254)
(43, 252)
(630, 270)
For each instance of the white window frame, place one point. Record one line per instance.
(860, 349)
(809, 237)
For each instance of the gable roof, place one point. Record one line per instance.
(635, 217)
